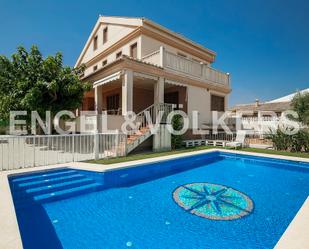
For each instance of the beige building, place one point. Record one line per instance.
(135, 63)
(262, 117)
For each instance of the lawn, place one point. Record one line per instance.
(278, 152)
(179, 151)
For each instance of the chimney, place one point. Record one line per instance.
(257, 102)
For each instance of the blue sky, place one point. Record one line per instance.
(263, 44)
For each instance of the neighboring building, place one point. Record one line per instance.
(288, 98)
(134, 63)
(250, 112)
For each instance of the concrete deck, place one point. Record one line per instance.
(295, 236)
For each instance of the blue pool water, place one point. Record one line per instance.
(148, 207)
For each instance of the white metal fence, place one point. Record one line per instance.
(31, 151)
(251, 137)
(231, 136)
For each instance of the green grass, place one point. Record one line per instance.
(148, 155)
(278, 152)
(179, 151)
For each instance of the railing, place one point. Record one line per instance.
(187, 66)
(31, 151)
(251, 137)
(152, 58)
(182, 64)
(150, 114)
(262, 124)
(221, 136)
(261, 119)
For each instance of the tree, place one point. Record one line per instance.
(29, 82)
(300, 104)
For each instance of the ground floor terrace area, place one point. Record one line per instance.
(128, 91)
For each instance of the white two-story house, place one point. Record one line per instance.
(135, 63)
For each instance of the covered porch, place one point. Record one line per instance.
(128, 90)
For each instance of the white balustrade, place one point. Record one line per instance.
(181, 64)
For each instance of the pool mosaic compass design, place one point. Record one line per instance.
(213, 201)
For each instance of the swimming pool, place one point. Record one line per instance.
(213, 200)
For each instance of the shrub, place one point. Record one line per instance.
(177, 124)
(295, 143)
(305, 139)
(281, 141)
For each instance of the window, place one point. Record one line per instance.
(104, 35)
(112, 103)
(95, 42)
(182, 55)
(95, 68)
(172, 98)
(104, 63)
(217, 103)
(133, 50)
(118, 55)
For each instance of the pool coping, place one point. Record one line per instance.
(295, 235)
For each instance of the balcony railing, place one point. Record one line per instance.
(180, 64)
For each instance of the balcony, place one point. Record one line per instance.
(187, 67)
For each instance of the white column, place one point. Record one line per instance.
(98, 107)
(98, 99)
(226, 102)
(159, 91)
(161, 56)
(127, 91)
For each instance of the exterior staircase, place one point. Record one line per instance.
(135, 137)
(144, 120)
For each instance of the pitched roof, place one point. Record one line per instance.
(275, 107)
(140, 22)
(289, 97)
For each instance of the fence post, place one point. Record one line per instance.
(117, 142)
(73, 147)
(96, 145)
(33, 151)
(125, 144)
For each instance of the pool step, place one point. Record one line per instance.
(49, 181)
(43, 175)
(52, 185)
(67, 192)
(58, 186)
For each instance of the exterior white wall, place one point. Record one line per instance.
(199, 100)
(115, 33)
(149, 45)
(145, 46)
(112, 56)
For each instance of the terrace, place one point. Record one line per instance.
(187, 67)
